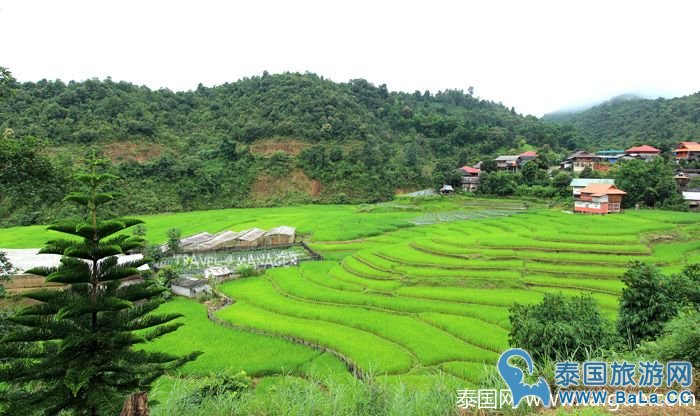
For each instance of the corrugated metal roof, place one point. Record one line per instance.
(282, 230)
(582, 153)
(576, 182)
(217, 241)
(29, 258)
(507, 158)
(188, 283)
(217, 271)
(196, 239)
(251, 235)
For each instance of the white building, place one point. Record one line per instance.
(190, 287)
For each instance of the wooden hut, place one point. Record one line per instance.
(280, 236)
(251, 238)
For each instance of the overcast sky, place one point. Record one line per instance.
(537, 56)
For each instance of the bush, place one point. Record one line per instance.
(648, 301)
(247, 271)
(560, 327)
(680, 339)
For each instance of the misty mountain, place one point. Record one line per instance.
(629, 119)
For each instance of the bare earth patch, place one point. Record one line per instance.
(266, 186)
(270, 146)
(131, 151)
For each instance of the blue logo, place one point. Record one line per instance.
(515, 379)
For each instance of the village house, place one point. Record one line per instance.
(527, 156)
(599, 198)
(689, 151)
(645, 152)
(580, 160)
(470, 178)
(693, 200)
(579, 183)
(508, 163)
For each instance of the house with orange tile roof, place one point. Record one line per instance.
(599, 198)
(687, 151)
(644, 151)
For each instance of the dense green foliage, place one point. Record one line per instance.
(74, 349)
(648, 301)
(627, 122)
(648, 183)
(679, 340)
(560, 327)
(360, 141)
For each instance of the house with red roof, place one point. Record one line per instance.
(528, 156)
(687, 151)
(644, 152)
(599, 198)
(470, 178)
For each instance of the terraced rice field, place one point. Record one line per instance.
(404, 300)
(437, 296)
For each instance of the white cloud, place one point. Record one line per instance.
(535, 55)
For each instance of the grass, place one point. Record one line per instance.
(225, 349)
(329, 223)
(427, 343)
(383, 355)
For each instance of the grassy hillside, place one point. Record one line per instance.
(266, 140)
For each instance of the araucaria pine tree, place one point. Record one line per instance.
(76, 350)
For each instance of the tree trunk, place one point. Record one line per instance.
(136, 405)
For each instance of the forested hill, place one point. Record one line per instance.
(629, 121)
(270, 139)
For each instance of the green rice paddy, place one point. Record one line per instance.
(407, 300)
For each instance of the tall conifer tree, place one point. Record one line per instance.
(76, 349)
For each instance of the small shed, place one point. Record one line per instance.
(447, 190)
(217, 273)
(194, 240)
(224, 239)
(250, 238)
(278, 236)
(190, 287)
